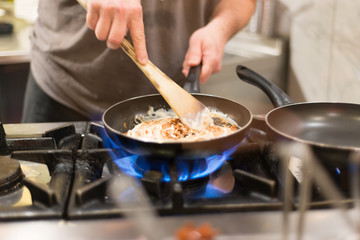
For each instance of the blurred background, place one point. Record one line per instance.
(308, 48)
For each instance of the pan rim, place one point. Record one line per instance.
(247, 125)
(309, 142)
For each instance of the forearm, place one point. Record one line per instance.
(230, 16)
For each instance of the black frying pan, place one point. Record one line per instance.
(332, 129)
(119, 118)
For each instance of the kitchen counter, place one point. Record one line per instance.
(319, 225)
(15, 46)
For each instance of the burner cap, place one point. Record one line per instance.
(11, 175)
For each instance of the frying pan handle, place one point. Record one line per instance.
(277, 96)
(192, 81)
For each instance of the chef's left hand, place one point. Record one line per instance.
(206, 46)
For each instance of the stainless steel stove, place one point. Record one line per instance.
(66, 180)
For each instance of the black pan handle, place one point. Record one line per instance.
(192, 81)
(277, 96)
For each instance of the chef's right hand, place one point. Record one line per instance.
(111, 19)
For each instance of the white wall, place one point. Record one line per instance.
(325, 50)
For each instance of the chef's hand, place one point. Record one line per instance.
(207, 43)
(206, 46)
(111, 19)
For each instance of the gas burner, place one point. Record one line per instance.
(11, 175)
(11, 181)
(82, 168)
(179, 170)
(155, 186)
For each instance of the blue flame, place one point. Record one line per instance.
(126, 164)
(137, 166)
(204, 168)
(212, 191)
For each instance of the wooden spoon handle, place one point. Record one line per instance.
(191, 111)
(151, 71)
(125, 45)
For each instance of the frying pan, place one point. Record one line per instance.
(121, 117)
(332, 129)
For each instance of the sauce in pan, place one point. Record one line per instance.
(165, 126)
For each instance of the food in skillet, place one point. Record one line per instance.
(165, 126)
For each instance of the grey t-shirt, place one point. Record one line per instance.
(79, 71)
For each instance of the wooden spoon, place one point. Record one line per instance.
(191, 111)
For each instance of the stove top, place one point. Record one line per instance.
(65, 172)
